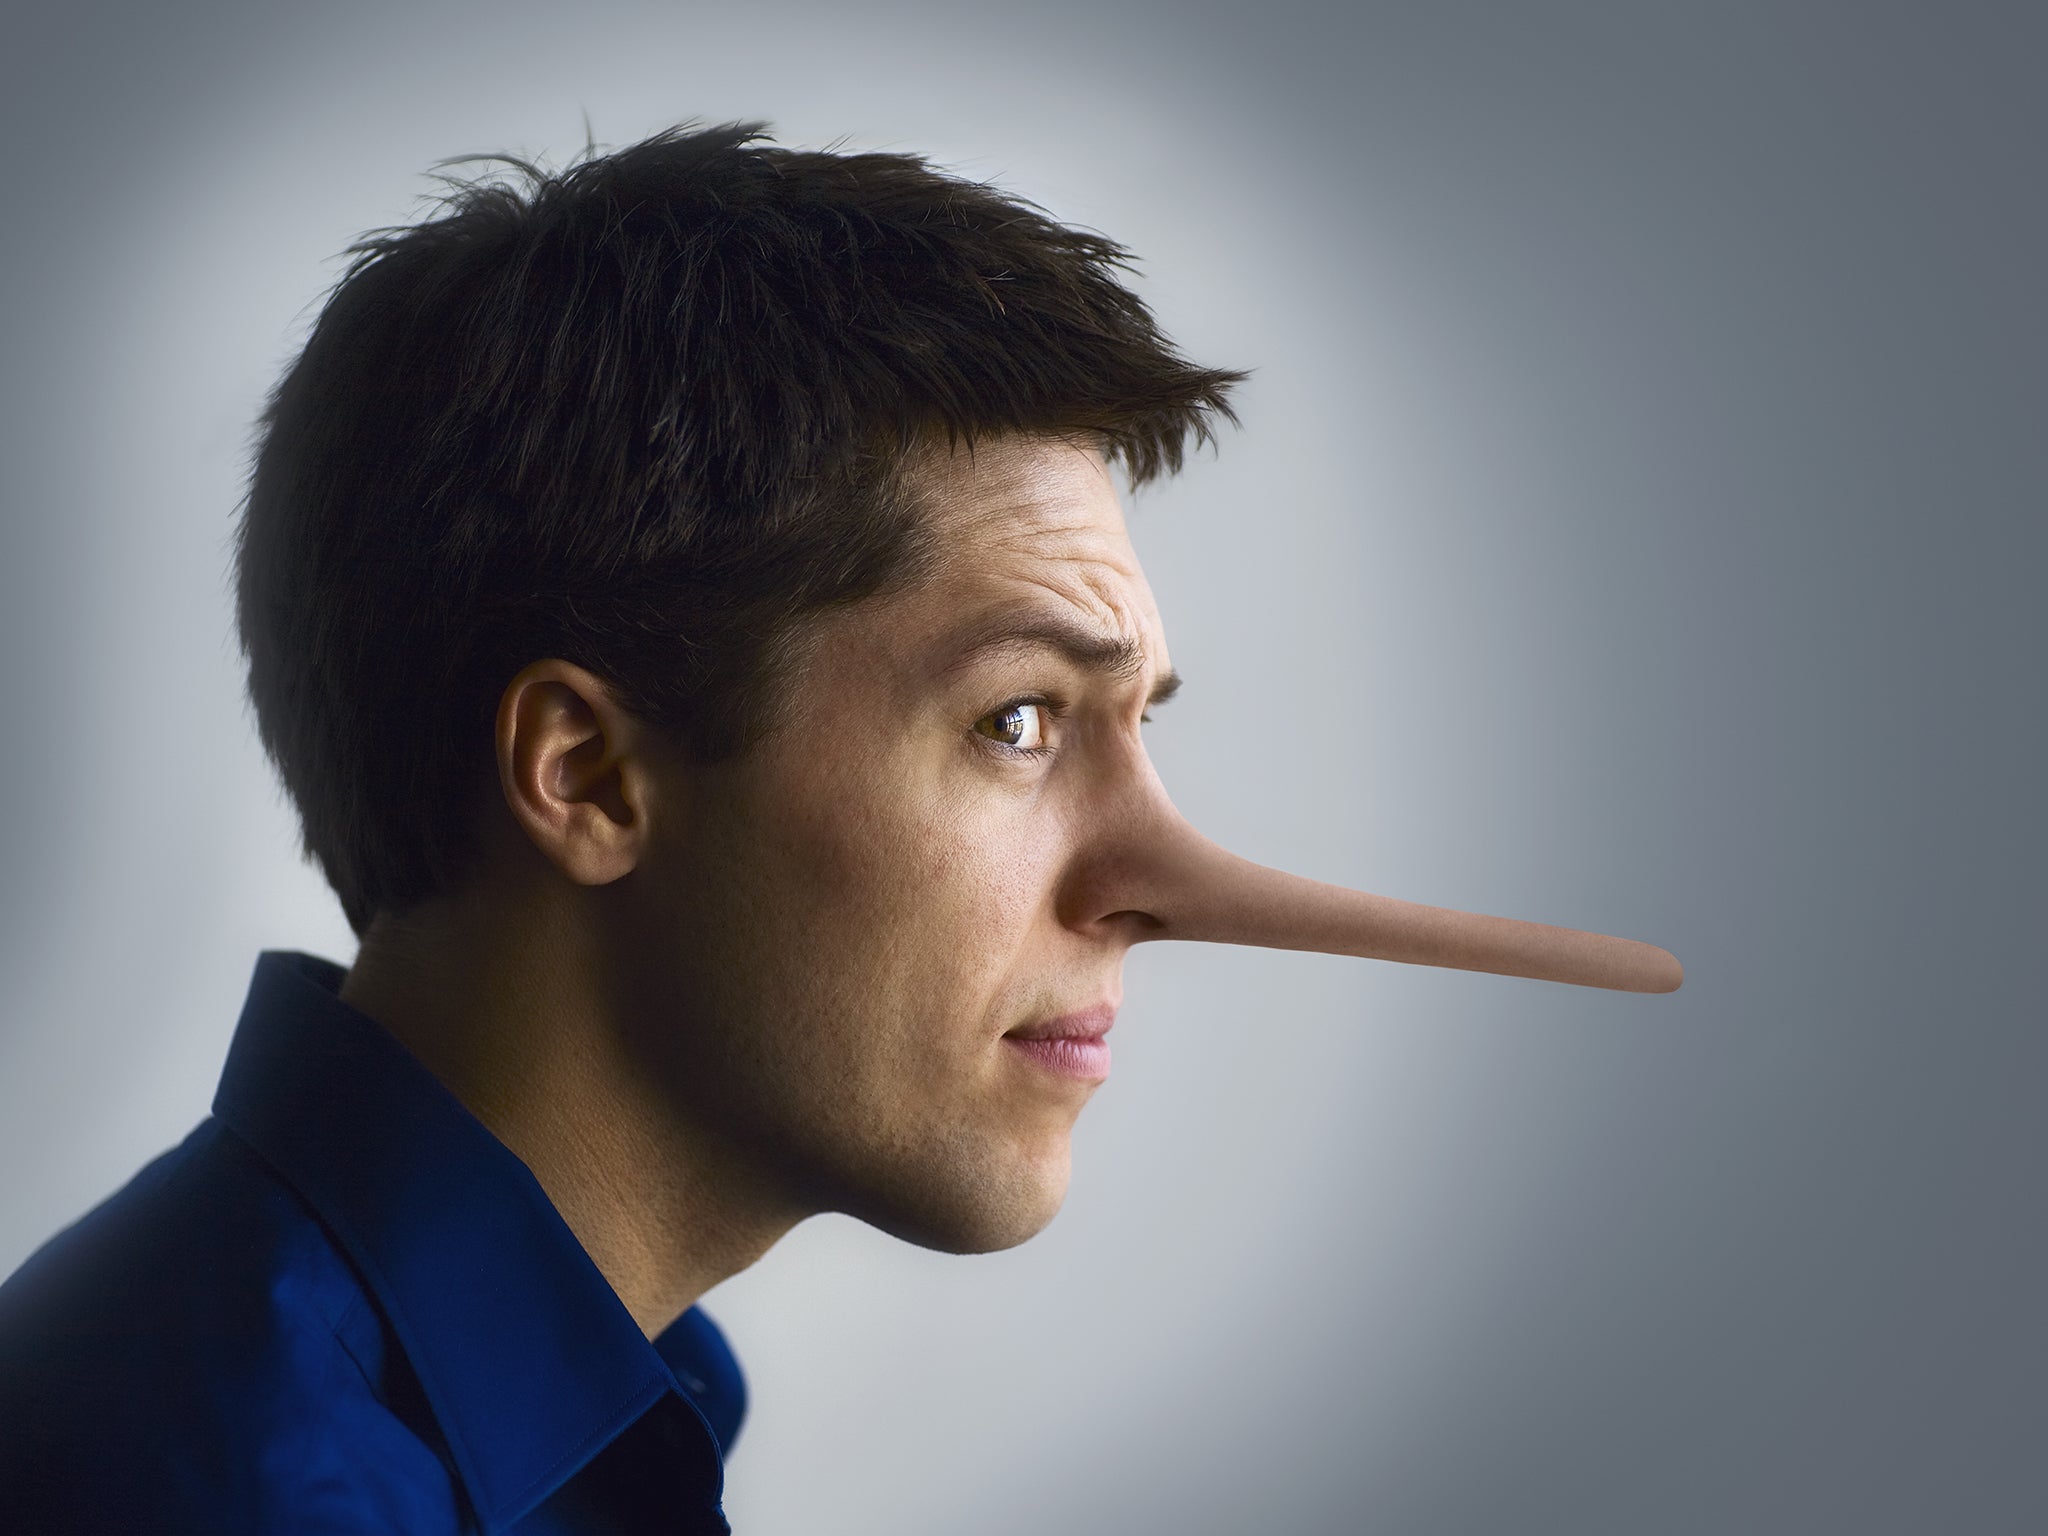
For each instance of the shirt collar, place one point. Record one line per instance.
(529, 1360)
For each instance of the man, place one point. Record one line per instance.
(687, 599)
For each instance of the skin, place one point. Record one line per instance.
(704, 1002)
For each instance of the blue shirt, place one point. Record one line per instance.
(342, 1305)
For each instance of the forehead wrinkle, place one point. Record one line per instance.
(1053, 527)
(1119, 657)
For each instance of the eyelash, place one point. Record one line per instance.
(1055, 711)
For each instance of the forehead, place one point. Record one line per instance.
(1029, 523)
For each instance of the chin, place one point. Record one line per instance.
(975, 1214)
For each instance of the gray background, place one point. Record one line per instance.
(1637, 525)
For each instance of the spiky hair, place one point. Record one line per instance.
(642, 414)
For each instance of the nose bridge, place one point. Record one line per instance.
(1126, 835)
(1143, 872)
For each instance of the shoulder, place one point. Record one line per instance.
(190, 1356)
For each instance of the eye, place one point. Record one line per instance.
(1021, 726)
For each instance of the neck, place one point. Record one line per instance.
(502, 1005)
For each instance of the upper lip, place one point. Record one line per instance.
(1083, 1024)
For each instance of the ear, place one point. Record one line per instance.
(576, 772)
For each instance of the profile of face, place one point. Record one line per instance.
(882, 948)
(873, 958)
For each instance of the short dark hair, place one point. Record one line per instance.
(641, 414)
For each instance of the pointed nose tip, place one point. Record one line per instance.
(1666, 975)
(1207, 894)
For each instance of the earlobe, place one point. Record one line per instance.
(572, 769)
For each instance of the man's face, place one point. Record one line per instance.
(839, 937)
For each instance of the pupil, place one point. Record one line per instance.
(1010, 724)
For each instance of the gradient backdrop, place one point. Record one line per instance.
(1638, 525)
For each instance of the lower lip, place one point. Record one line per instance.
(1085, 1058)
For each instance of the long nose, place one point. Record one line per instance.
(1167, 881)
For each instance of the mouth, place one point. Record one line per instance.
(1074, 1045)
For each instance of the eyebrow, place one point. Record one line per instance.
(1112, 656)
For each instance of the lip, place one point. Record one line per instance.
(1074, 1045)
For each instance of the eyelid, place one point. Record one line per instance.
(1054, 710)
(1055, 707)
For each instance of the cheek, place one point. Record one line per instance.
(915, 872)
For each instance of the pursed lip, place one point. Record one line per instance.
(1090, 1023)
(1071, 1045)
